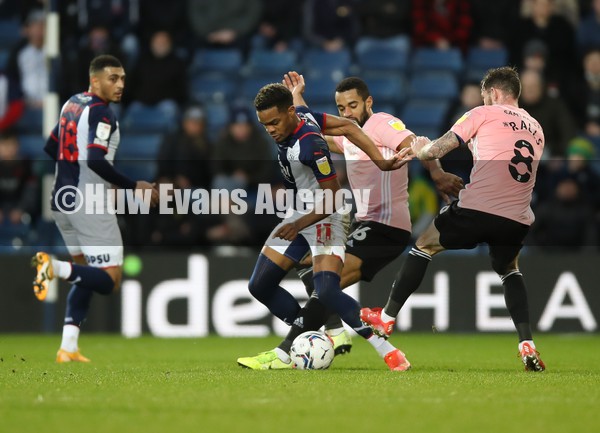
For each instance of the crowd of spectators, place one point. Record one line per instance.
(555, 44)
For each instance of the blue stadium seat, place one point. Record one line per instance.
(228, 61)
(145, 119)
(320, 64)
(388, 88)
(320, 91)
(32, 146)
(419, 114)
(138, 170)
(217, 116)
(434, 85)
(4, 54)
(139, 147)
(10, 33)
(266, 62)
(30, 122)
(431, 59)
(251, 85)
(480, 60)
(382, 58)
(213, 88)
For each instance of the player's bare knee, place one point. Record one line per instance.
(116, 274)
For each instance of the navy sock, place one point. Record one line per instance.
(90, 278)
(78, 304)
(306, 275)
(515, 296)
(329, 292)
(264, 286)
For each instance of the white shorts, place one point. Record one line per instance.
(96, 236)
(325, 237)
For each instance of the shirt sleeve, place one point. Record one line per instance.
(314, 153)
(466, 127)
(391, 132)
(319, 118)
(102, 125)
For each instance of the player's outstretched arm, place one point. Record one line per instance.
(346, 127)
(425, 149)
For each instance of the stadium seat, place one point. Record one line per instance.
(138, 170)
(4, 54)
(433, 85)
(251, 85)
(382, 58)
(139, 147)
(213, 87)
(320, 91)
(217, 116)
(227, 61)
(431, 59)
(30, 122)
(399, 43)
(387, 88)
(32, 146)
(266, 62)
(480, 60)
(10, 34)
(320, 64)
(145, 119)
(425, 115)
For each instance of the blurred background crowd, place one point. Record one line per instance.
(194, 66)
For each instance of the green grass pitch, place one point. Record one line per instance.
(459, 383)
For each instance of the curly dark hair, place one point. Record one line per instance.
(273, 95)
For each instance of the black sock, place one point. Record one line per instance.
(407, 280)
(310, 318)
(515, 296)
(305, 272)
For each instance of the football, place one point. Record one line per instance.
(312, 350)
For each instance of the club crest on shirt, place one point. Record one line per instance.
(397, 125)
(323, 166)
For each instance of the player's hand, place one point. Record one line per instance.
(294, 82)
(288, 231)
(447, 184)
(142, 185)
(397, 161)
(418, 144)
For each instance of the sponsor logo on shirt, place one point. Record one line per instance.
(397, 125)
(323, 166)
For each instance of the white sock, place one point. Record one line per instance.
(530, 342)
(70, 338)
(283, 357)
(386, 317)
(335, 331)
(381, 345)
(62, 269)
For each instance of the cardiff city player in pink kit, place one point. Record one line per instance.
(494, 208)
(382, 226)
